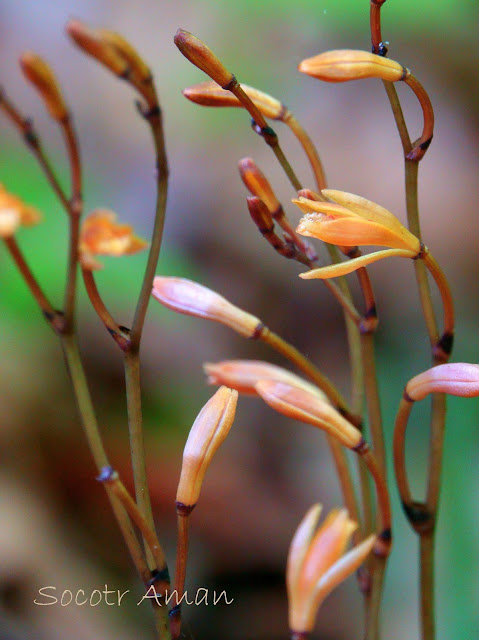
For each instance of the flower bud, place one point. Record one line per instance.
(347, 64)
(135, 62)
(257, 184)
(210, 428)
(317, 563)
(191, 298)
(39, 73)
(210, 94)
(202, 57)
(295, 402)
(243, 375)
(100, 234)
(97, 47)
(15, 213)
(457, 379)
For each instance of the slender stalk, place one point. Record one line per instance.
(375, 26)
(112, 480)
(399, 453)
(183, 521)
(372, 398)
(309, 148)
(265, 131)
(307, 367)
(346, 483)
(103, 313)
(31, 139)
(427, 585)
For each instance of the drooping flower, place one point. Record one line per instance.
(101, 235)
(191, 298)
(243, 375)
(351, 220)
(297, 403)
(209, 430)
(317, 563)
(455, 378)
(14, 213)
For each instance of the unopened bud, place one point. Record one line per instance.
(96, 47)
(301, 405)
(191, 298)
(243, 375)
(347, 64)
(135, 62)
(209, 430)
(210, 94)
(457, 379)
(39, 73)
(202, 57)
(257, 184)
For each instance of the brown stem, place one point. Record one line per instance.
(25, 128)
(426, 542)
(375, 27)
(183, 521)
(103, 313)
(308, 146)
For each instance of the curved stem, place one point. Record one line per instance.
(421, 145)
(102, 311)
(309, 148)
(399, 454)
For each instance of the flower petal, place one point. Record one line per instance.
(343, 268)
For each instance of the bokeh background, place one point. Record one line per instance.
(56, 527)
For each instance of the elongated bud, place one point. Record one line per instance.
(39, 73)
(301, 405)
(207, 433)
(263, 219)
(202, 57)
(347, 64)
(135, 62)
(457, 379)
(243, 375)
(191, 298)
(210, 94)
(96, 47)
(257, 184)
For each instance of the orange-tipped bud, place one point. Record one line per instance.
(352, 220)
(135, 62)
(210, 94)
(39, 73)
(243, 375)
(261, 215)
(97, 47)
(295, 402)
(14, 213)
(191, 298)
(346, 64)
(317, 563)
(257, 184)
(457, 379)
(202, 57)
(102, 235)
(207, 433)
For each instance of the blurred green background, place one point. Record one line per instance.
(56, 525)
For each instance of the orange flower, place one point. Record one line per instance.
(102, 235)
(297, 403)
(39, 73)
(456, 378)
(14, 213)
(317, 564)
(352, 220)
(209, 430)
(191, 298)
